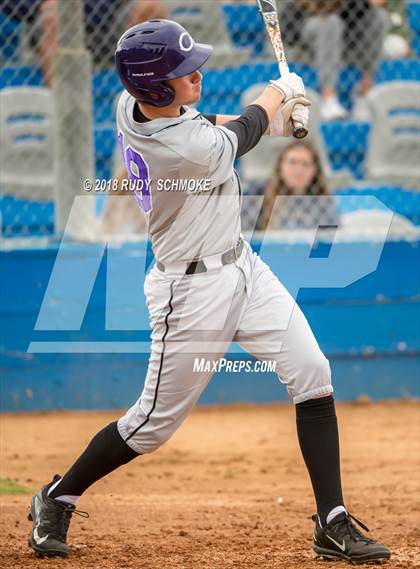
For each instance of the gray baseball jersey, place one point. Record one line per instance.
(187, 186)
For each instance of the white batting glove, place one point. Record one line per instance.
(300, 112)
(291, 85)
(296, 109)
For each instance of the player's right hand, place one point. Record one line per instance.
(294, 110)
(291, 85)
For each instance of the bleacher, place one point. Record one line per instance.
(346, 142)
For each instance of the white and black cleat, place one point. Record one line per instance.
(341, 539)
(51, 521)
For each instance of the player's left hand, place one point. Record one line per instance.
(295, 109)
(290, 84)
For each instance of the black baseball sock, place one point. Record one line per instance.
(318, 438)
(105, 452)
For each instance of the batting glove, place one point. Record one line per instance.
(300, 112)
(296, 109)
(291, 85)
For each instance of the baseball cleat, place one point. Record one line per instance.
(341, 539)
(51, 520)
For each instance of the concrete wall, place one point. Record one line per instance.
(369, 329)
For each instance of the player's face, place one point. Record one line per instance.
(297, 169)
(187, 88)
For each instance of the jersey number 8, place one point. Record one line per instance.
(138, 172)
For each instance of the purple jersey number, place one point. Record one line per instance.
(138, 172)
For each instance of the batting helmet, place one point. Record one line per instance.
(152, 52)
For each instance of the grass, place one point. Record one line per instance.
(10, 488)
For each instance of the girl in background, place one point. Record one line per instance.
(296, 196)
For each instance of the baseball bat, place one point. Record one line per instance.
(270, 16)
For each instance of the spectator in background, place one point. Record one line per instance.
(296, 196)
(105, 20)
(316, 26)
(366, 24)
(330, 30)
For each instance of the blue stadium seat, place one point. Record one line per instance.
(398, 70)
(105, 87)
(346, 144)
(348, 78)
(222, 88)
(105, 139)
(23, 217)
(10, 30)
(245, 26)
(17, 75)
(106, 83)
(399, 200)
(413, 16)
(413, 20)
(103, 111)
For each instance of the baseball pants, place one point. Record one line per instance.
(199, 315)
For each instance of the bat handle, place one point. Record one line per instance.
(299, 131)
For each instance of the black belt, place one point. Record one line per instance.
(199, 266)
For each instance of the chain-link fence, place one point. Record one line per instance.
(359, 60)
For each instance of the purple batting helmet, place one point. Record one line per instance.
(154, 51)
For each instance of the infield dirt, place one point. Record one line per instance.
(229, 490)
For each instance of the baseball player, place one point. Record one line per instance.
(207, 288)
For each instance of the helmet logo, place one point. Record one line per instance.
(186, 42)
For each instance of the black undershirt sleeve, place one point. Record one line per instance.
(249, 128)
(211, 118)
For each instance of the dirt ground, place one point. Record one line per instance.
(229, 490)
